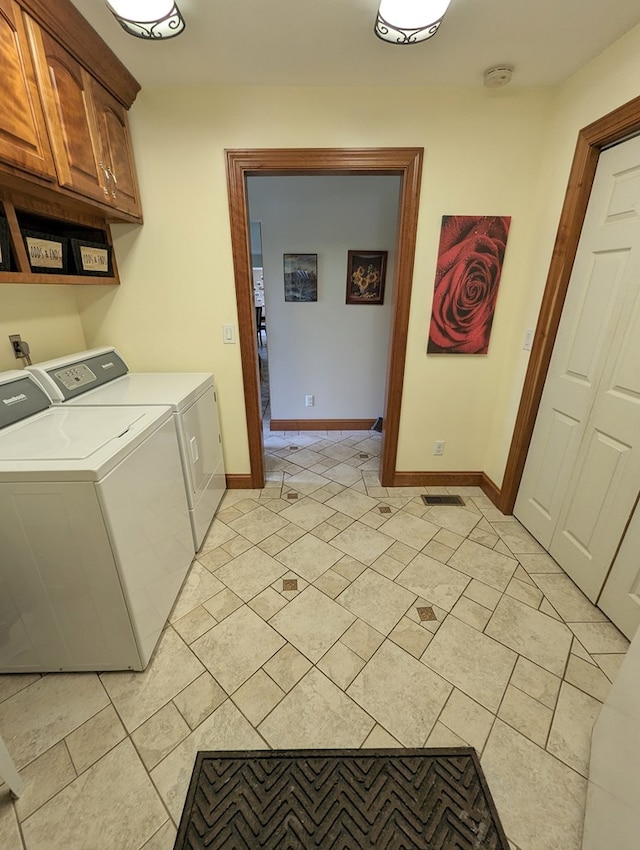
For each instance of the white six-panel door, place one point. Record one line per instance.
(582, 475)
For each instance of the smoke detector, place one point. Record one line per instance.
(498, 76)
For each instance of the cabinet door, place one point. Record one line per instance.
(117, 154)
(23, 136)
(69, 117)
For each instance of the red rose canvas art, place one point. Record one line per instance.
(470, 258)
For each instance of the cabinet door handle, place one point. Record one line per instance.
(114, 191)
(105, 188)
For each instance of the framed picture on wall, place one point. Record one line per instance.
(366, 276)
(300, 277)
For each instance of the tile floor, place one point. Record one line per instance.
(327, 611)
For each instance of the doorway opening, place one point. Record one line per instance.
(403, 162)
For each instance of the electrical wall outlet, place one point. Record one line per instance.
(16, 344)
(308, 401)
(528, 340)
(438, 447)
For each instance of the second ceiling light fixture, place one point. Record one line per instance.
(409, 21)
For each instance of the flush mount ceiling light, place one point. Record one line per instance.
(409, 21)
(153, 19)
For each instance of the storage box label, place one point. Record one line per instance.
(94, 259)
(45, 254)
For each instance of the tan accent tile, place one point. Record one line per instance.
(473, 662)
(341, 665)
(468, 719)
(257, 697)
(43, 779)
(159, 735)
(316, 714)
(194, 624)
(431, 624)
(471, 613)
(133, 815)
(587, 678)
(331, 583)
(520, 775)
(481, 593)
(95, 738)
(403, 695)
(199, 699)
(223, 604)
(349, 568)
(362, 639)
(233, 650)
(37, 717)
(535, 681)
(287, 666)
(531, 633)
(267, 603)
(274, 544)
(411, 637)
(524, 593)
(312, 622)
(570, 736)
(290, 585)
(137, 696)
(526, 714)
(379, 739)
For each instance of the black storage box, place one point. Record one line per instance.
(91, 258)
(48, 254)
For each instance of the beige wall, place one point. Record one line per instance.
(482, 153)
(45, 316)
(505, 153)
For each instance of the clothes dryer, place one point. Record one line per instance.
(95, 539)
(101, 377)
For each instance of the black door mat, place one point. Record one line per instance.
(443, 500)
(417, 799)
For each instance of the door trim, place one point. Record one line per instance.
(244, 163)
(611, 128)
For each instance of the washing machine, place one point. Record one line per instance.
(101, 376)
(95, 538)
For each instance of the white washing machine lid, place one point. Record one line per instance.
(176, 389)
(63, 443)
(101, 376)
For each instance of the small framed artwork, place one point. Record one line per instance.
(366, 276)
(300, 277)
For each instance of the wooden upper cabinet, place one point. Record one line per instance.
(23, 137)
(64, 88)
(116, 151)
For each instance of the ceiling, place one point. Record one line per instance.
(331, 43)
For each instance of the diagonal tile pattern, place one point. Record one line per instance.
(516, 662)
